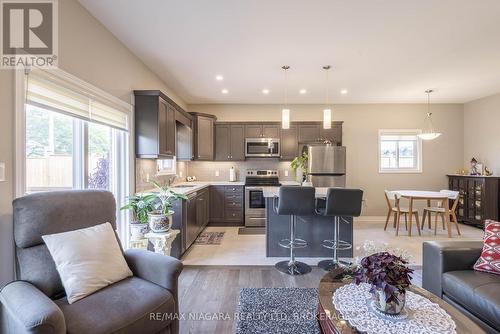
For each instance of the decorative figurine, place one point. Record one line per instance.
(474, 168)
(487, 172)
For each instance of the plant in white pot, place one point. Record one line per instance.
(299, 165)
(140, 205)
(160, 218)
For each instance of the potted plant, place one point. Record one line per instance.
(299, 165)
(140, 205)
(389, 277)
(160, 218)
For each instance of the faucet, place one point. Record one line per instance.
(172, 179)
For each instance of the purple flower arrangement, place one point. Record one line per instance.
(385, 272)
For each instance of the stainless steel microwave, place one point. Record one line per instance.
(262, 147)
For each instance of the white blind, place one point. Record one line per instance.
(64, 97)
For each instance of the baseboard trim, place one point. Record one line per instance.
(370, 218)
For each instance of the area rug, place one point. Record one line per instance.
(277, 310)
(209, 238)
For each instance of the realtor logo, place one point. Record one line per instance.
(29, 33)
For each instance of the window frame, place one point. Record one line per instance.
(125, 150)
(419, 152)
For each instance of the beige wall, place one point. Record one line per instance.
(360, 136)
(90, 52)
(481, 132)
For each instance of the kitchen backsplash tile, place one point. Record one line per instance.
(208, 170)
(146, 170)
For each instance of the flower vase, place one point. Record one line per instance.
(137, 230)
(160, 222)
(393, 307)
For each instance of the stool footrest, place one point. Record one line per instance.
(297, 243)
(339, 245)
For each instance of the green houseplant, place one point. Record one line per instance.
(139, 205)
(299, 165)
(160, 218)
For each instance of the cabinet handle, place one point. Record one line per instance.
(228, 156)
(234, 214)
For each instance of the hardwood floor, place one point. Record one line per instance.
(213, 292)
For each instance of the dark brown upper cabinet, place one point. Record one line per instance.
(334, 134)
(309, 133)
(155, 124)
(259, 130)
(289, 143)
(229, 142)
(204, 136)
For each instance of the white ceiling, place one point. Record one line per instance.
(382, 51)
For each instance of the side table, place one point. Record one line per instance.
(162, 242)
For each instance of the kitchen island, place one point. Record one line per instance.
(314, 229)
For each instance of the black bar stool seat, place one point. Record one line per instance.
(294, 201)
(340, 203)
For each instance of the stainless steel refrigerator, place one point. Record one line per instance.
(326, 165)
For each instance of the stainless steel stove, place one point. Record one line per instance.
(255, 204)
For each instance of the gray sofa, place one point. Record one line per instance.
(448, 273)
(35, 303)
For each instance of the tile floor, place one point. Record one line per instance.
(249, 250)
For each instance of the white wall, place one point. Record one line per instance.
(481, 132)
(90, 52)
(360, 136)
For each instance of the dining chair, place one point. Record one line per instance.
(396, 209)
(439, 211)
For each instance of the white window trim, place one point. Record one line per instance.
(420, 151)
(20, 129)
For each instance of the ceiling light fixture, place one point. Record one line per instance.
(224, 91)
(219, 77)
(265, 91)
(302, 91)
(285, 112)
(344, 91)
(429, 132)
(327, 112)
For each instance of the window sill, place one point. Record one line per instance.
(399, 171)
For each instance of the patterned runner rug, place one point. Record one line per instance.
(209, 238)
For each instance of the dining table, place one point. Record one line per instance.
(413, 195)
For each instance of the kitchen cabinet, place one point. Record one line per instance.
(202, 209)
(259, 130)
(191, 225)
(478, 198)
(334, 134)
(309, 132)
(229, 142)
(204, 136)
(197, 216)
(155, 124)
(226, 205)
(289, 143)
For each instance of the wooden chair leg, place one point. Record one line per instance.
(435, 225)
(387, 220)
(395, 219)
(398, 218)
(423, 218)
(442, 220)
(417, 220)
(455, 220)
(429, 220)
(406, 221)
(428, 213)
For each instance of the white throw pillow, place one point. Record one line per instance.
(87, 260)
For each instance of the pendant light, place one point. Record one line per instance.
(327, 112)
(429, 132)
(285, 112)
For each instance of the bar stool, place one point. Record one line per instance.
(294, 201)
(340, 203)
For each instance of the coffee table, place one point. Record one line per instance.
(331, 321)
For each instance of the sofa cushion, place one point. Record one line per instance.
(476, 291)
(489, 261)
(123, 307)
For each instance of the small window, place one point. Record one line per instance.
(400, 151)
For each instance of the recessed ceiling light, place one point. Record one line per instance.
(343, 91)
(265, 91)
(224, 91)
(219, 77)
(302, 91)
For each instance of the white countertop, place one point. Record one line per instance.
(273, 191)
(197, 185)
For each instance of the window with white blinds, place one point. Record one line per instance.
(400, 151)
(64, 97)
